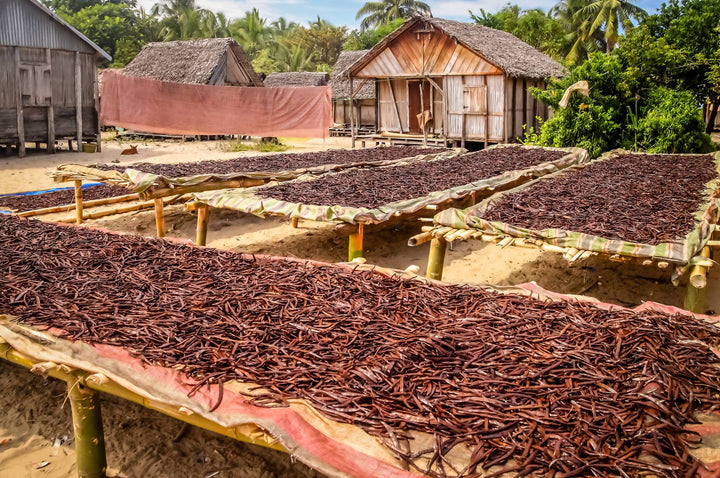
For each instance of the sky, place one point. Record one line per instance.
(342, 12)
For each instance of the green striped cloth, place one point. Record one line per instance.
(144, 183)
(249, 200)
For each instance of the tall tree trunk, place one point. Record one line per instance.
(710, 124)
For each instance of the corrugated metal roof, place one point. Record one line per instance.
(29, 23)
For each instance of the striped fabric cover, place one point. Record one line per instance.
(248, 200)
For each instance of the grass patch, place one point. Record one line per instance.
(264, 146)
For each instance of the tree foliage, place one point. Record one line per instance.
(670, 122)
(368, 38)
(375, 14)
(594, 122)
(534, 27)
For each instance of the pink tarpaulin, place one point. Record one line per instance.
(178, 108)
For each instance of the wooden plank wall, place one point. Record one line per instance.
(522, 107)
(366, 107)
(43, 85)
(389, 110)
(435, 54)
(490, 90)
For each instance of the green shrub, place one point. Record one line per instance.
(595, 122)
(264, 146)
(671, 122)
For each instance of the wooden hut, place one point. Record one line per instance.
(212, 61)
(453, 82)
(296, 78)
(48, 75)
(363, 102)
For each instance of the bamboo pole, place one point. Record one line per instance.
(202, 224)
(78, 202)
(355, 245)
(159, 217)
(67, 207)
(295, 221)
(436, 259)
(421, 238)
(696, 292)
(112, 388)
(87, 425)
(111, 212)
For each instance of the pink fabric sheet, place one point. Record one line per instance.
(178, 108)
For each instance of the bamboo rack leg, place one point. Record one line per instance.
(79, 202)
(436, 259)
(159, 217)
(295, 221)
(203, 213)
(355, 246)
(87, 424)
(696, 292)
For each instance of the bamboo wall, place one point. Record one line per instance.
(38, 100)
(522, 108)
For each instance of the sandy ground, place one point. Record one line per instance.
(140, 442)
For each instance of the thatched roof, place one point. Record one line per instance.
(512, 55)
(198, 62)
(341, 83)
(297, 78)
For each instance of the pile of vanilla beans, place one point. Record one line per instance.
(277, 162)
(531, 387)
(642, 198)
(371, 188)
(21, 203)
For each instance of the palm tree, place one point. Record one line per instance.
(613, 14)
(283, 27)
(215, 25)
(252, 32)
(577, 27)
(294, 58)
(182, 19)
(384, 11)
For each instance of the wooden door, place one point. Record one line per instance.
(416, 104)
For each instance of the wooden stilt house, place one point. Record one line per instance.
(363, 105)
(48, 75)
(453, 82)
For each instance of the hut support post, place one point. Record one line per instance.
(352, 117)
(422, 111)
(436, 259)
(78, 102)
(462, 132)
(78, 202)
(203, 213)
(355, 246)
(50, 111)
(696, 292)
(159, 217)
(87, 425)
(19, 105)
